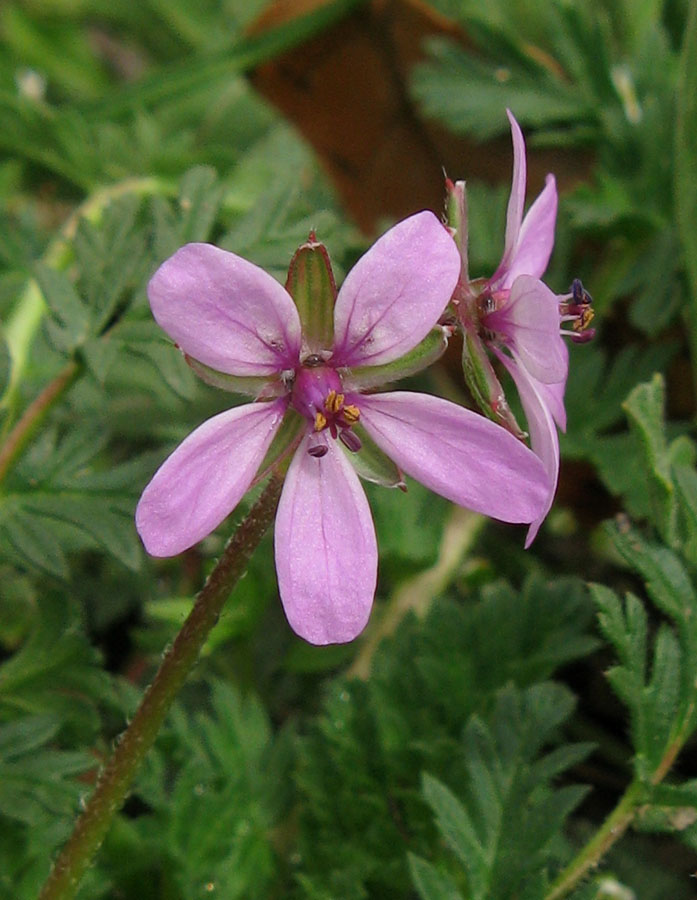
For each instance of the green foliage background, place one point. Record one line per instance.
(475, 752)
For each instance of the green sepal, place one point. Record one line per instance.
(311, 284)
(287, 438)
(484, 383)
(249, 385)
(423, 355)
(373, 465)
(456, 213)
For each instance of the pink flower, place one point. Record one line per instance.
(228, 315)
(520, 317)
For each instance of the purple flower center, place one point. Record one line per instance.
(318, 395)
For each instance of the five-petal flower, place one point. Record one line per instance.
(228, 315)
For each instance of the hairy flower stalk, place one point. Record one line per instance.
(311, 358)
(116, 777)
(514, 316)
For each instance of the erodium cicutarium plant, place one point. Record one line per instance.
(312, 359)
(515, 316)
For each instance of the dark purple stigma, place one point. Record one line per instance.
(580, 295)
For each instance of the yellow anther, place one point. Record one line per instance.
(351, 414)
(334, 402)
(584, 319)
(320, 421)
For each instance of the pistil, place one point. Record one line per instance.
(317, 395)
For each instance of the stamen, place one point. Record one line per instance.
(584, 319)
(582, 337)
(334, 402)
(577, 308)
(318, 451)
(350, 440)
(351, 414)
(320, 421)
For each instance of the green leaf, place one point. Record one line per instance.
(35, 546)
(506, 78)
(686, 486)
(199, 199)
(112, 261)
(216, 789)
(35, 783)
(63, 500)
(656, 283)
(173, 84)
(458, 830)
(663, 696)
(667, 581)
(502, 826)
(627, 629)
(361, 762)
(55, 48)
(146, 340)
(109, 520)
(660, 700)
(24, 735)
(67, 308)
(429, 882)
(39, 797)
(645, 409)
(55, 672)
(99, 355)
(290, 201)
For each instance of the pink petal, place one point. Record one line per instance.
(205, 477)
(225, 312)
(543, 433)
(552, 396)
(326, 552)
(516, 200)
(395, 293)
(458, 453)
(536, 238)
(530, 321)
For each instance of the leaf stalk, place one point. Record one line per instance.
(33, 415)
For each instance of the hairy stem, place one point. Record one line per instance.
(617, 822)
(610, 831)
(115, 779)
(33, 415)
